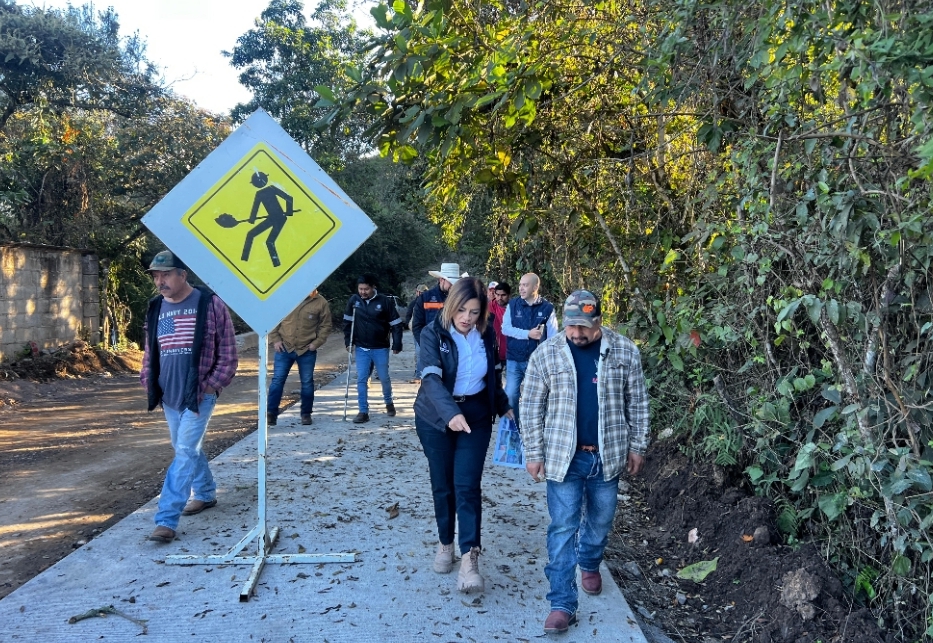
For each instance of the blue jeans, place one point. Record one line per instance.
(514, 374)
(455, 463)
(189, 471)
(364, 360)
(581, 508)
(283, 364)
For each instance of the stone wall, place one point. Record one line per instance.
(48, 295)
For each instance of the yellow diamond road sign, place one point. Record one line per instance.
(261, 221)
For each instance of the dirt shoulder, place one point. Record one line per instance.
(78, 454)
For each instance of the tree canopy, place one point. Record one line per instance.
(53, 60)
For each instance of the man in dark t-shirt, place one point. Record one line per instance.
(190, 357)
(585, 420)
(176, 339)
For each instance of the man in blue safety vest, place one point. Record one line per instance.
(528, 321)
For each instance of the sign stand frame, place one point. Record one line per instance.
(265, 538)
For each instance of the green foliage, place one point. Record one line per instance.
(712, 434)
(864, 580)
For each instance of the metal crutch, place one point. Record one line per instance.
(346, 395)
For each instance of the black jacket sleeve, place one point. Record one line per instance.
(395, 325)
(417, 317)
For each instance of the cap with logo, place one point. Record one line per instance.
(581, 309)
(492, 284)
(166, 260)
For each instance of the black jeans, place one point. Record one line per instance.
(455, 461)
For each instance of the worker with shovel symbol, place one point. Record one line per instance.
(268, 197)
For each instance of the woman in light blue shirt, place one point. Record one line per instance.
(454, 412)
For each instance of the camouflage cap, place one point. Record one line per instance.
(166, 260)
(581, 309)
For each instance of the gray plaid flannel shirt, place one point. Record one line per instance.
(548, 405)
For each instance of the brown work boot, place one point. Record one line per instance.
(591, 582)
(306, 419)
(197, 506)
(390, 410)
(271, 419)
(444, 558)
(559, 622)
(469, 579)
(162, 535)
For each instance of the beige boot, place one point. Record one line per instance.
(469, 579)
(444, 558)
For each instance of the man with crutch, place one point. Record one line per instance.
(368, 321)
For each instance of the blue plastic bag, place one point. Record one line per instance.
(508, 450)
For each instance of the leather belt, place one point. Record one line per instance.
(463, 398)
(589, 448)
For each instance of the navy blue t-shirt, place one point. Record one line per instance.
(176, 345)
(586, 362)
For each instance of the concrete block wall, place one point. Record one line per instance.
(48, 295)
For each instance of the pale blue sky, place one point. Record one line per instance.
(185, 38)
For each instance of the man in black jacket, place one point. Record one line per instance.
(367, 322)
(430, 302)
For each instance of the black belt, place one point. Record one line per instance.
(459, 399)
(589, 448)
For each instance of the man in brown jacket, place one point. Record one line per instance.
(296, 339)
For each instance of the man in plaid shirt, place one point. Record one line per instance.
(190, 356)
(584, 409)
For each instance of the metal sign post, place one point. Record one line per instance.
(226, 220)
(265, 539)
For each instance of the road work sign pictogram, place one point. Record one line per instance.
(259, 222)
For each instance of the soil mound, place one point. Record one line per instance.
(76, 359)
(761, 589)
